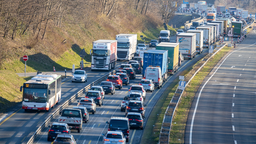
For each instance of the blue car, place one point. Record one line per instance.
(153, 43)
(124, 77)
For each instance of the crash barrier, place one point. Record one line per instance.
(171, 109)
(64, 105)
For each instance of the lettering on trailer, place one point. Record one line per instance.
(181, 40)
(100, 47)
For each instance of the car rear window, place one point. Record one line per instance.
(71, 113)
(136, 88)
(128, 70)
(134, 117)
(93, 94)
(120, 71)
(135, 104)
(121, 124)
(135, 65)
(134, 95)
(96, 89)
(145, 82)
(63, 139)
(113, 78)
(114, 136)
(59, 127)
(104, 83)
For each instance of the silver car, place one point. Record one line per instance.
(138, 88)
(141, 46)
(147, 84)
(88, 103)
(99, 88)
(79, 76)
(115, 137)
(136, 96)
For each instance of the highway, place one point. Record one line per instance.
(21, 125)
(93, 130)
(223, 110)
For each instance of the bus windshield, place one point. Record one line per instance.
(35, 95)
(100, 52)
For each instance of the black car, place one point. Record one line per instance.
(137, 68)
(96, 96)
(135, 120)
(130, 73)
(120, 71)
(135, 106)
(153, 43)
(139, 59)
(56, 129)
(124, 77)
(120, 124)
(108, 87)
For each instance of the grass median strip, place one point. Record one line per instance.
(180, 118)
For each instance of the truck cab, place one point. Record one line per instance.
(126, 46)
(210, 17)
(164, 36)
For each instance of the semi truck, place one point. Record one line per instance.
(217, 30)
(104, 54)
(173, 55)
(156, 58)
(199, 39)
(237, 30)
(221, 26)
(244, 14)
(214, 32)
(226, 24)
(126, 46)
(211, 17)
(164, 36)
(207, 32)
(187, 45)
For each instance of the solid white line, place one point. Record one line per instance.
(235, 142)
(240, 74)
(233, 127)
(243, 69)
(232, 115)
(234, 95)
(84, 141)
(102, 112)
(233, 104)
(93, 126)
(235, 87)
(112, 101)
(237, 80)
(199, 95)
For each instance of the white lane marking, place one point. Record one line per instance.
(232, 115)
(234, 95)
(239, 55)
(235, 141)
(121, 92)
(245, 65)
(243, 69)
(102, 112)
(233, 127)
(233, 66)
(93, 126)
(112, 101)
(240, 74)
(235, 87)
(237, 80)
(233, 104)
(84, 141)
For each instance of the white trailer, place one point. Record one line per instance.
(214, 32)
(187, 44)
(217, 26)
(126, 46)
(207, 35)
(199, 39)
(244, 14)
(222, 26)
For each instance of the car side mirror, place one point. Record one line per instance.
(21, 88)
(107, 122)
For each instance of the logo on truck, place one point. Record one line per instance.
(181, 40)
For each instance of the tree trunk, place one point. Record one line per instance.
(111, 8)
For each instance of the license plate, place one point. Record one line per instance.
(34, 108)
(133, 123)
(105, 87)
(135, 109)
(57, 132)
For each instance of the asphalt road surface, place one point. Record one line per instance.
(223, 111)
(93, 130)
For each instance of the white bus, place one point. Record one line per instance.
(41, 92)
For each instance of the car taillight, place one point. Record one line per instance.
(149, 85)
(143, 90)
(130, 89)
(84, 113)
(106, 139)
(128, 107)
(158, 79)
(138, 120)
(130, 119)
(127, 131)
(107, 80)
(65, 131)
(141, 108)
(51, 130)
(98, 98)
(102, 93)
(140, 84)
(86, 97)
(110, 88)
(121, 140)
(123, 101)
(125, 78)
(140, 99)
(108, 129)
(119, 82)
(131, 72)
(92, 104)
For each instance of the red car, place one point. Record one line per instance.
(116, 80)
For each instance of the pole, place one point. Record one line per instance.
(65, 73)
(25, 67)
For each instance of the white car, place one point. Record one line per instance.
(136, 96)
(141, 46)
(138, 88)
(147, 84)
(112, 137)
(79, 76)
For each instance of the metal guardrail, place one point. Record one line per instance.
(64, 105)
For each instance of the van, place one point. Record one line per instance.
(164, 36)
(119, 124)
(154, 74)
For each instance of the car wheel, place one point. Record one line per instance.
(120, 87)
(112, 93)
(93, 112)
(48, 139)
(127, 139)
(78, 130)
(86, 80)
(141, 128)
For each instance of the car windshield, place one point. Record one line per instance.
(113, 78)
(133, 117)
(121, 124)
(164, 34)
(104, 83)
(124, 66)
(71, 113)
(145, 82)
(63, 139)
(141, 45)
(135, 104)
(114, 136)
(79, 72)
(123, 45)
(180, 30)
(100, 52)
(135, 65)
(136, 88)
(92, 94)
(59, 127)
(134, 95)
(35, 95)
(154, 41)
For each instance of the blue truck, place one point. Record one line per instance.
(156, 58)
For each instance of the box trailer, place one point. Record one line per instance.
(187, 43)
(199, 39)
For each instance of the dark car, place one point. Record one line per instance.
(135, 106)
(135, 120)
(139, 59)
(131, 73)
(124, 77)
(120, 71)
(120, 124)
(57, 128)
(108, 87)
(153, 43)
(64, 139)
(137, 68)
(96, 96)
(85, 113)
(116, 80)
